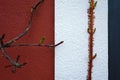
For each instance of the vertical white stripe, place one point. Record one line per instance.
(71, 23)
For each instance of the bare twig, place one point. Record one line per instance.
(39, 45)
(14, 63)
(3, 45)
(33, 9)
(91, 30)
(9, 44)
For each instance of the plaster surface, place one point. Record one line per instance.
(71, 23)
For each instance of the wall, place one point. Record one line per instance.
(71, 24)
(14, 15)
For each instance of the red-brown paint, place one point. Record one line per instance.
(14, 15)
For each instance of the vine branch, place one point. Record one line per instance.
(33, 9)
(14, 63)
(8, 44)
(91, 30)
(39, 45)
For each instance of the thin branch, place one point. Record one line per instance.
(9, 44)
(91, 30)
(3, 45)
(33, 9)
(39, 45)
(14, 63)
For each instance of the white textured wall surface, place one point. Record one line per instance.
(71, 23)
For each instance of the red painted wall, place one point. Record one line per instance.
(14, 15)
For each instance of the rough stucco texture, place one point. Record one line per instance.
(71, 23)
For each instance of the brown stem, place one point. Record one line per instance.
(39, 45)
(9, 43)
(33, 9)
(14, 63)
(91, 31)
(3, 45)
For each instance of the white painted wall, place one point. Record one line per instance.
(71, 23)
